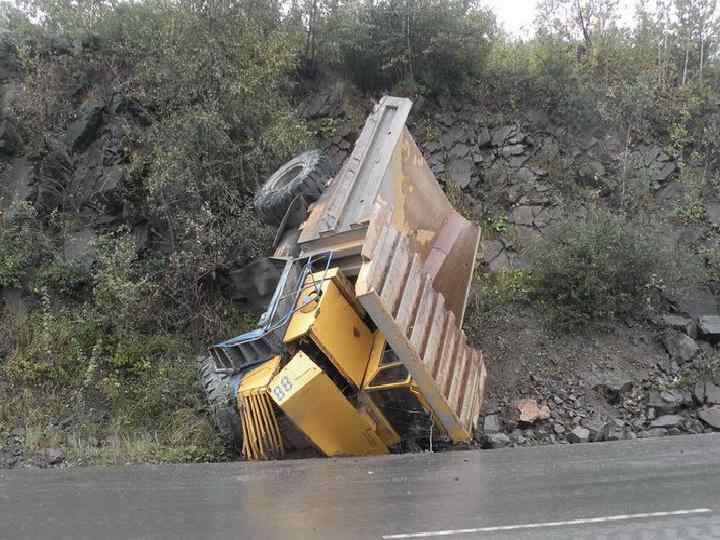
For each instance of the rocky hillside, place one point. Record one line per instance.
(133, 137)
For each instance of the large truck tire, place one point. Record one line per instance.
(217, 389)
(305, 174)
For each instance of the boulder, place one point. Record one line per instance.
(453, 135)
(667, 401)
(84, 129)
(529, 411)
(707, 392)
(522, 215)
(325, 104)
(490, 249)
(491, 424)
(614, 430)
(667, 421)
(695, 302)
(711, 416)
(613, 389)
(501, 134)
(54, 456)
(579, 435)
(495, 440)
(712, 213)
(460, 171)
(500, 263)
(460, 150)
(512, 150)
(595, 426)
(681, 347)
(483, 137)
(681, 324)
(654, 432)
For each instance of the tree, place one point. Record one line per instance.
(697, 29)
(577, 19)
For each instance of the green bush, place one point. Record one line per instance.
(22, 244)
(600, 269)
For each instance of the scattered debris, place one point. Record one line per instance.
(529, 411)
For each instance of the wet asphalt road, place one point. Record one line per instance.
(567, 492)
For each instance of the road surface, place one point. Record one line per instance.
(652, 488)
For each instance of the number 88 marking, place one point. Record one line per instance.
(283, 388)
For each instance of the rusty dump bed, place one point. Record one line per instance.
(389, 225)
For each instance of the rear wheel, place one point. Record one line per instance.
(305, 175)
(217, 389)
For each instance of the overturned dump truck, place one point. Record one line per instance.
(360, 350)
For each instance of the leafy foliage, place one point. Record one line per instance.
(600, 270)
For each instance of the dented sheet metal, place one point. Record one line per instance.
(399, 296)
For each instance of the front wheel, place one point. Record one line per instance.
(217, 390)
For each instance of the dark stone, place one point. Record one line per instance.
(491, 424)
(667, 421)
(712, 393)
(695, 302)
(499, 263)
(614, 430)
(712, 213)
(490, 249)
(452, 136)
(579, 435)
(54, 456)
(693, 425)
(460, 171)
(522, 215)
(667, 401)
(495, 440)
(711, 416)
(460, 150)
(501, 134)
(682, 324)
(681, 347)
(325, 104)
(483, 138)
(84, 129)
(513, 150)
(613, 390)
(707, 392)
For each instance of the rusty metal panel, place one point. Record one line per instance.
(447, 371)
(349, 202)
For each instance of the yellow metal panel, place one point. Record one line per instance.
(335, 327)
(259, 377)
(382, 427)
(261, 434)
(307, 396)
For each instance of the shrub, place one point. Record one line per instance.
(600, 269)
(22, 243)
